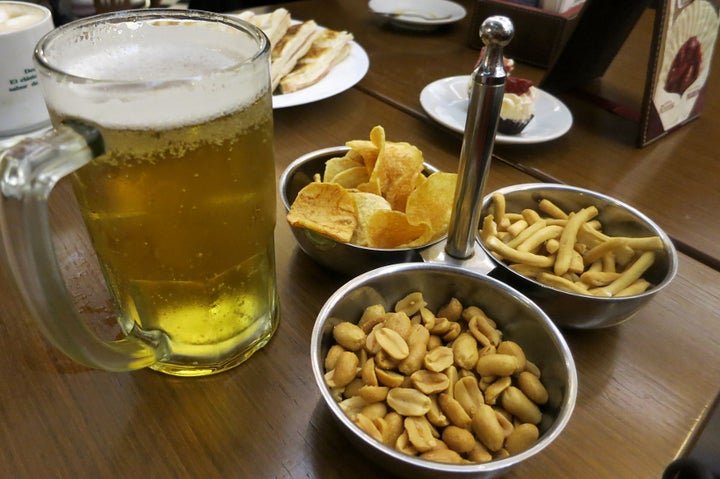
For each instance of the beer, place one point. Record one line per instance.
(183, 220)
(181, 206)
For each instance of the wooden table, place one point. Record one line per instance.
(644, 385)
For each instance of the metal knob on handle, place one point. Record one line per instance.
(480, 127)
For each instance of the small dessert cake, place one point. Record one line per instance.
(518, 106)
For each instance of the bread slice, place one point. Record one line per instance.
(329, 48)
(274, 24)
(294, 45)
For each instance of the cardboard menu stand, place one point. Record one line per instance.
(683, 43)
(682, 50)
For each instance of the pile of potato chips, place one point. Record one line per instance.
(377, 196)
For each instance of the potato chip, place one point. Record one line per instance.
(367, 150)
(431, 203)
(390, 229)
(367, 205)
(326, 208)
(335, 166)
(372, 186)
(352, 177)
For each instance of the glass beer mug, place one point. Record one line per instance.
(163, 119)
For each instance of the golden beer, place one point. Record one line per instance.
(183, 222)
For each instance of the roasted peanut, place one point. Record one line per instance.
(496, 365)
(392, 428)
(410, 304)
(458, 439)
(346, 367)
(376, 409)
(403, 444)
(439, 358)
(389, 378)
(417, 348)
(443, 455)
(353, 387)
(479, 453)
(373, 394)
(468, 394)
(408, 402)
(367, 425)
(430, 382)
(487, 428)
(532, 387)
(435, 415)
(398, 322)
(428, 318)
(453, 332)
(518, 404)
(442, 326)
(479, 323)
(493, 391)
(420, 433)
(367, 373)
(465, 351)
(372, 315)
(454, 411)
(371, 344)
(384, 360)
(513, 349)
(392, 343)
(434, 341)
(451, 311)
(352, 406)
(349, 336)
(332, 355)
(522, 437)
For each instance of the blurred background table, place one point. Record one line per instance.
(645, 386)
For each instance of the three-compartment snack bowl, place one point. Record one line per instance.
(527, 311)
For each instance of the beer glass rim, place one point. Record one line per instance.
(42, 60)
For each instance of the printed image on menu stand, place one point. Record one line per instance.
(683, 46)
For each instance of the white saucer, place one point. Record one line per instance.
(434, 12)
(446, 101)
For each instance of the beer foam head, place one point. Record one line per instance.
(18, 16)
(153, 74)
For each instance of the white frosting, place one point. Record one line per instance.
(518, 107)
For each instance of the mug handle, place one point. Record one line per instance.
(28, 172)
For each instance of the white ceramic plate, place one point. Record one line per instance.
(343, 76)
(446, 101)
(433, 12)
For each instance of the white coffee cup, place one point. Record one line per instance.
(22, 108)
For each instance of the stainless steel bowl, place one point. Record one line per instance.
(344, 258)
(571, 310)
(519, 319)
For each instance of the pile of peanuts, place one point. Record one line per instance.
(444, 387)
